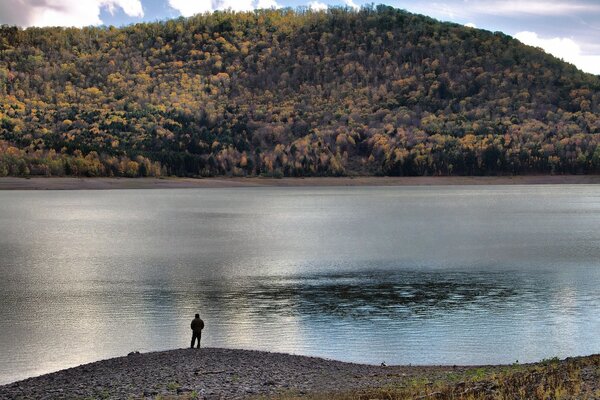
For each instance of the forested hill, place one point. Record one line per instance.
(294, 93)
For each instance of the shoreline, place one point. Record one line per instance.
(240, 374)
(73, 183)
(218, 372)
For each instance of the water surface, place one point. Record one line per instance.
(421, 275)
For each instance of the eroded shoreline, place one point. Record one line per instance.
(72, 183)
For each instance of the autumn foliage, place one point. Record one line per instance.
(291, 93)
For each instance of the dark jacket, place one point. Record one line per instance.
(197, 325)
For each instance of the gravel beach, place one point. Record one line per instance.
(214, 373)
(211, 373)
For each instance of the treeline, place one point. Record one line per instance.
(291, 93)
(16, 162)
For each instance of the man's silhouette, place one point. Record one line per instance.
(197, 326)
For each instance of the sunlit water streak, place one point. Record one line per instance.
(421, 275)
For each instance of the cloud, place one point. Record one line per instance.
(518, 9)
(470, 25)
(444, 9)
(317, 5)
(565, 48)
(63, 12)
(537, 7)
(188, 8)
(267, 4)
(351, 3)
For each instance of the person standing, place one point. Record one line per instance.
(197, 326)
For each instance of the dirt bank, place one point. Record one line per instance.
(67, 183)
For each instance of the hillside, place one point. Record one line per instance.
(291, 93)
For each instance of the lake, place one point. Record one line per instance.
(419, 275)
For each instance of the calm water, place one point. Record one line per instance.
(421, 275)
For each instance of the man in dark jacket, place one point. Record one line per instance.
(197, 326)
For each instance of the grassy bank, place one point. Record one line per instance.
(573, 378)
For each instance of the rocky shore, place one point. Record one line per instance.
(213, 373)
(210, 373)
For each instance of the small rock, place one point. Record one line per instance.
(184, 389)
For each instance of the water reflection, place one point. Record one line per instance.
(385, 295)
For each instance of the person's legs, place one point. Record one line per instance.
(193, 340)
(199, 336)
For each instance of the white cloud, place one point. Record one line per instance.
(188, 8)
(564, 48)
(317, 5)
(351, 3)
(444, 9)
(63, 12)
(267, 4)
(519, 7)
(470, 25)
(133, 8)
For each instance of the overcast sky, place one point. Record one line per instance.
(568, 29)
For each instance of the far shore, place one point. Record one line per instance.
(74, 183)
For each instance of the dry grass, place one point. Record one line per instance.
(575, 378)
